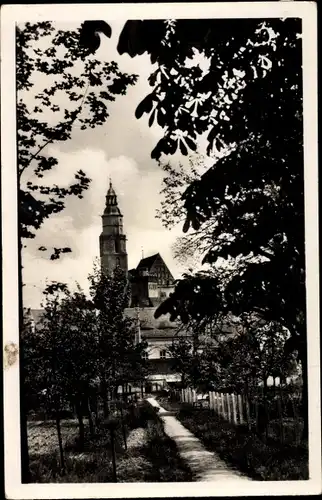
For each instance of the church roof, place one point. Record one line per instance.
(148, 262)
(147, 319)
(164, 333)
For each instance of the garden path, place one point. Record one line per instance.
(205, 465)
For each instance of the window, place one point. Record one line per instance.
(145, 355)
(163, 354)
(117, 246)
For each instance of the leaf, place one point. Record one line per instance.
(191, 144)
(161, 116)
(183, 148)
(89, 37)
(145, 106)
(186, 225)
(151, 119)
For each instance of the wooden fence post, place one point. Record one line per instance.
(223, 410)
(233, 399)
(217, 403)
(228, 406)
(213, 400)
(240, 409)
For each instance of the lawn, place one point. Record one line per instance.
(151, 456)
(242, 449)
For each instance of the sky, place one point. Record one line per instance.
(120, 149)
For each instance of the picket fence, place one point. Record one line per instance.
(282, 414)
(231, 407)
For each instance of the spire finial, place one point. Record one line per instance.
(110, 179)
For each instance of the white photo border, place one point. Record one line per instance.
(12, 14)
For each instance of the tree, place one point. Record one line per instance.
(83, 348)
(251, 201)
(120, 358)
(76, 91)
(61, 354)
(181, 353)
(60, 85)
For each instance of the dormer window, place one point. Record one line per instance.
(163, 354)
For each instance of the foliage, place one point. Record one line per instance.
(248, 206)
(120, 358)
(249, 102)
(82, 348)
(253, 355)
(60, 87)
(58, 358)
(233, 355)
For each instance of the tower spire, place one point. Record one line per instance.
(112, 240)
(111, 200)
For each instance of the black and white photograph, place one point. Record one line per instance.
(160, 250)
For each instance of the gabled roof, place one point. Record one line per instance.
(148, 262)
(147, 319)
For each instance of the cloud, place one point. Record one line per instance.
(121, 148)
(79, 225)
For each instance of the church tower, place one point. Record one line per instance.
(112, 240)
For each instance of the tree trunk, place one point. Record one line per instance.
(112, 436)
(266, 408)
(80, 424)
(90, 418)
(123, 427)
(25, 469)
(60, 442)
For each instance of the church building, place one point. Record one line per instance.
(151, 282)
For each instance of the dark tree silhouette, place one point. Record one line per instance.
(250, 202)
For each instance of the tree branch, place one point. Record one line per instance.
(52, 139)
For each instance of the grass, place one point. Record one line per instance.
(152, 458)
(243, 449)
